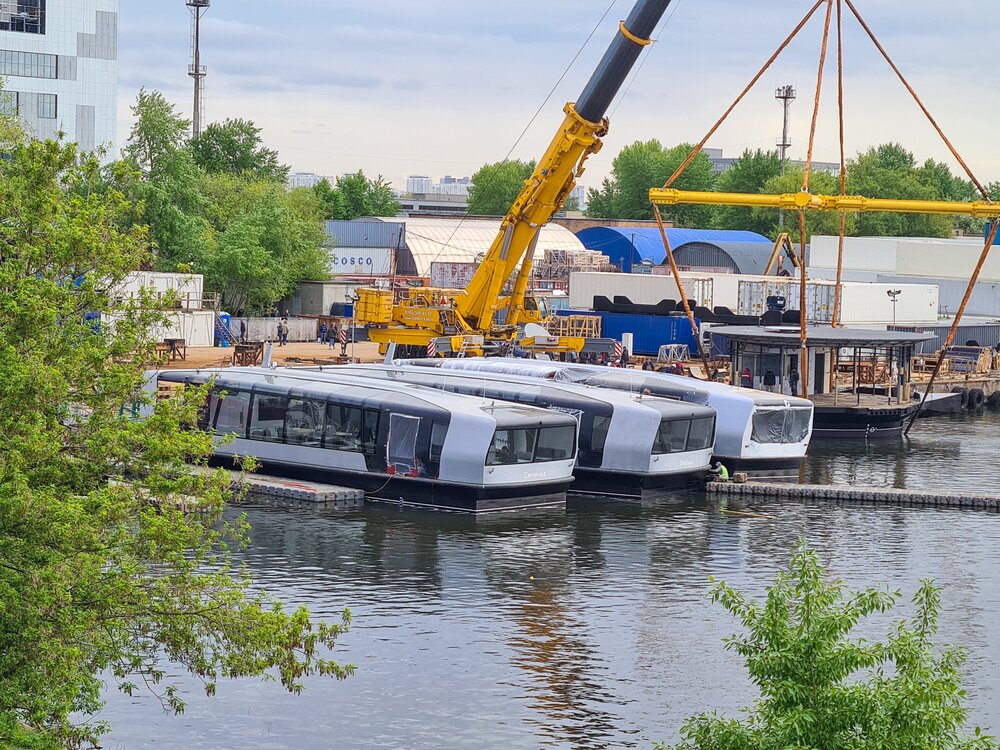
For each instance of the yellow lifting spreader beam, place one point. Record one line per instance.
(809, 202)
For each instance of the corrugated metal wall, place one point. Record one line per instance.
(367, 233)
(985, 334)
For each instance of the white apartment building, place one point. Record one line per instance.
(59, 62)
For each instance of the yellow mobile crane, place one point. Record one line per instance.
(466, 321)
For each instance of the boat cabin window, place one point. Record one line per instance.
(781, 425)
(702, 434)
(231, 409)
(438, 432)
(267, 418)
(679, 435)
(599, 433)
(531, 445)
(349, 428)
(304, 422)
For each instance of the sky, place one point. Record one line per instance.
(398, 88)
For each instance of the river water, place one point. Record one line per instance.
(587, 628)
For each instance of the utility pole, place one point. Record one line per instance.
(196, 70)
(785, 95)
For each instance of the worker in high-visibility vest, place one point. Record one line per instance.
(718, 472)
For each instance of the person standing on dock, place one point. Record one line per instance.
(334, 335)
(322, 334)
(769, 380)
(793, 379)
(746, 379)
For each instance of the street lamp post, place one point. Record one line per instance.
(893, 294)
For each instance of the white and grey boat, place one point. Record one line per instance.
(629, 444)
(763, 434)
(398, 442)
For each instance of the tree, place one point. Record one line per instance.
(889, 171)
(749, 174)
(268, 240)
(332, 203)
(158, 132)
(824, 690)
(366, 197)
(495, 186)
(234, 147)
(644, 165)
(817, 222)
(102, 574)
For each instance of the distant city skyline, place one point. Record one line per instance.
(450, 86)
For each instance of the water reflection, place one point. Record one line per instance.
(584, 628)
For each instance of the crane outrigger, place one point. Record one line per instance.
(480, 319)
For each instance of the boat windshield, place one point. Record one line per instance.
(784, 425)
(532, 445)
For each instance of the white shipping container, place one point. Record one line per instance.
(946, 259)
(360, 261)
(452, 275)
(868, 305)
(754, 291)
(863, 304)
(189, 287)
(641, 289)
(860, 253)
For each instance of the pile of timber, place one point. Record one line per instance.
(577, 326)
(559, 263)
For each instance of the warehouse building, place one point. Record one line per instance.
(640, 249)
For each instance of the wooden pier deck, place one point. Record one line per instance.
(860, 495)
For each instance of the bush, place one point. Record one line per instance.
(824, 690)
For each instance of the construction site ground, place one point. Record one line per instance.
(292, 353)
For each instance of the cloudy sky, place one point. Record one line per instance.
(397, 87)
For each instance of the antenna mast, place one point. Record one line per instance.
(196, 70)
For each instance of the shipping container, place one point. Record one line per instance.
(187, 288)
(863, 304)
(641, 289)
(452, 274)
(954, 259)
(869, 305)
(860, 253)
(649, 332)
(360, 261)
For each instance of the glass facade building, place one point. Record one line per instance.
(59, 64)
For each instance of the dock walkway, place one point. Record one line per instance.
(866, 495)
(263, 488)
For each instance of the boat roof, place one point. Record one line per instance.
(569, 388)
(305, 386)
(819, 336)
(565, 372)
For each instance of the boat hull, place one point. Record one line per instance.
(861, 422)
(632, 486)
(423, 492)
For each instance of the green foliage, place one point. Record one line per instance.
(204, 202)
(750, 174)
(817, 222)
(496, 186)
(158, 132)
(356, 195)
(234, 147)
(265, 247)
(889, 171)
(366, 197)
(821, 688)
(101, 573)
(644, 165)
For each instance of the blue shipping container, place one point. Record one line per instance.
(649, 332)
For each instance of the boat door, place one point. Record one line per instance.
(401, 446)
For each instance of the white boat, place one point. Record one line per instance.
(628, 443)
(398, 442)
(763, 434)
